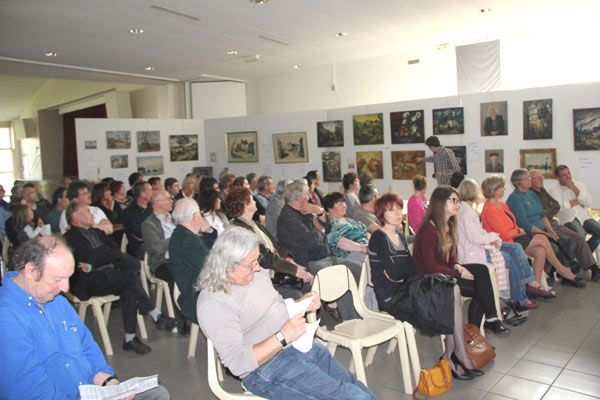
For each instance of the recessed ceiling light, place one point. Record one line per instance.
(341, 34)
(297, 66)
(232, 52)
(136, 30)
(149, 68)
(259, 1)
(50, 54)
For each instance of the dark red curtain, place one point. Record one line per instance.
(70, 141)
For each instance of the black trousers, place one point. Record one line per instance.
(163, 272)
(481, 292)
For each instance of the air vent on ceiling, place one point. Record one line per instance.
(174, 12)
(277, 41)
(415, 61)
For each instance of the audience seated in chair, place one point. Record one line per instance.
(79, 191)
(348, 238)
(134, 215)
(368, 195)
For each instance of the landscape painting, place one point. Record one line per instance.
(148, 141)
(407, 127)
(449, 121)
(461, 156)
(183, 147)
(242, 146)
(405, 166)
(368, 129)
(586, 128)
(90, 144)
(120, 161)
(118, 140)
(151, 165)
(332, 166)
(542, 159)
(370, 162)
(537, 119)
(330, 134)
(290, 147)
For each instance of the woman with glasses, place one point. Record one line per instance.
(435, 252)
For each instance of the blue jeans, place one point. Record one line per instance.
(293, 375)
(590, 226)
(519, 271)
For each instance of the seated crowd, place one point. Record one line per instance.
(237, 246)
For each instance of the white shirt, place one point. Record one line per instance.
(215, 222)
(563, 195)
(96, 212)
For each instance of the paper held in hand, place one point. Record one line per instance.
(304, 342)
(120, 391)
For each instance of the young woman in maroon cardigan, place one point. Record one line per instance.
(435, 252)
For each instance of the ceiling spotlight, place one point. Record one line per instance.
(149, 68)
(341, 34)
(50, 54)
(297, 66)
(232, 52)
(136, 30)
(259, 1)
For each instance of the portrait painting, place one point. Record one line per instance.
(148, 141)
(461, 156)
(120, 161)
(542, 159)
(537, 119)
(330, 134)
(242, 146)
(494, 118)
(405, 165)
(151, 165)
(183, 147)
(586, 128)
(90, 144)
(494, 160)
(368, 129)
(449, 121)
(290, 147)
(407, 127)
(332, 166)
(118, 140)
(370, 162)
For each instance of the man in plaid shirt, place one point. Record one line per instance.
(443, 159)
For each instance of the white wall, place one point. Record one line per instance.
(94, 164)
(218, 99)
(565, 99)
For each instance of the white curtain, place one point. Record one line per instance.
(478, 67)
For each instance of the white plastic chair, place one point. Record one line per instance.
(194, 328)
(5, 247)
(124, 243)
(97, 304)
(333, 282)
(162, 287)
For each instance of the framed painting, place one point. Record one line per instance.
(290, 147)
(407, 127)
(370, 162)
(148, 141)
(368, 129)
(242, 146)
(537, 119)
(405, 165)
(449, 121)
(586, 128)
(332, 166)
(542, 159)
(494, 118)
(151, 165)
(118, 140)
(90, 144)
(330, 134)
(183, 147)
(494, 160)
(121, 161)
(461, 156)
(203, 171)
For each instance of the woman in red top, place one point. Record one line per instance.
(497, 217)
(435, 252)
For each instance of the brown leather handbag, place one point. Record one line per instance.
(480, 350)
(434, 381)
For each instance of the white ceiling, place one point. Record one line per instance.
(93, 34)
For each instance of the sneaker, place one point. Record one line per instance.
(165, 323)
(136, 345)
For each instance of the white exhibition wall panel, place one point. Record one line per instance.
(564, 98)
(96, 163)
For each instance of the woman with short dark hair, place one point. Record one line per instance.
(348, 238)
(351, 185)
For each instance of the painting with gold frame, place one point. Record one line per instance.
(242, 146)
(542, 159)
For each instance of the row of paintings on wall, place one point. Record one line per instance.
(405, 165)
(149, 165)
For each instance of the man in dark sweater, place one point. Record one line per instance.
(134, 215)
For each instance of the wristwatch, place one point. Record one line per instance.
(279, 336)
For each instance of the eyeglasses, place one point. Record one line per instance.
(454, 200)
(256, 263)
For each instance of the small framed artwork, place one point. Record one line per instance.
(90, 144)
(405, 165)
(542, 159)
(368, 128)
(290, 147)
(586, 128)
(148, 141)
(494, 118)
(121, 161)
(537, 119)
(407, 127)
(449, 121)
(461, 156)
(183, 147)
(330, 134)
(242, 146)
(370, 162)
(332, 166)
(118, 140)
(494, 160)
(203, 171)
(151, 165)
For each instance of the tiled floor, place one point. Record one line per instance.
(555, 355)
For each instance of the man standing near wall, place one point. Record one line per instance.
(443, 159)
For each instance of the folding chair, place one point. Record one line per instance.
(194, 329)
(162, 287)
